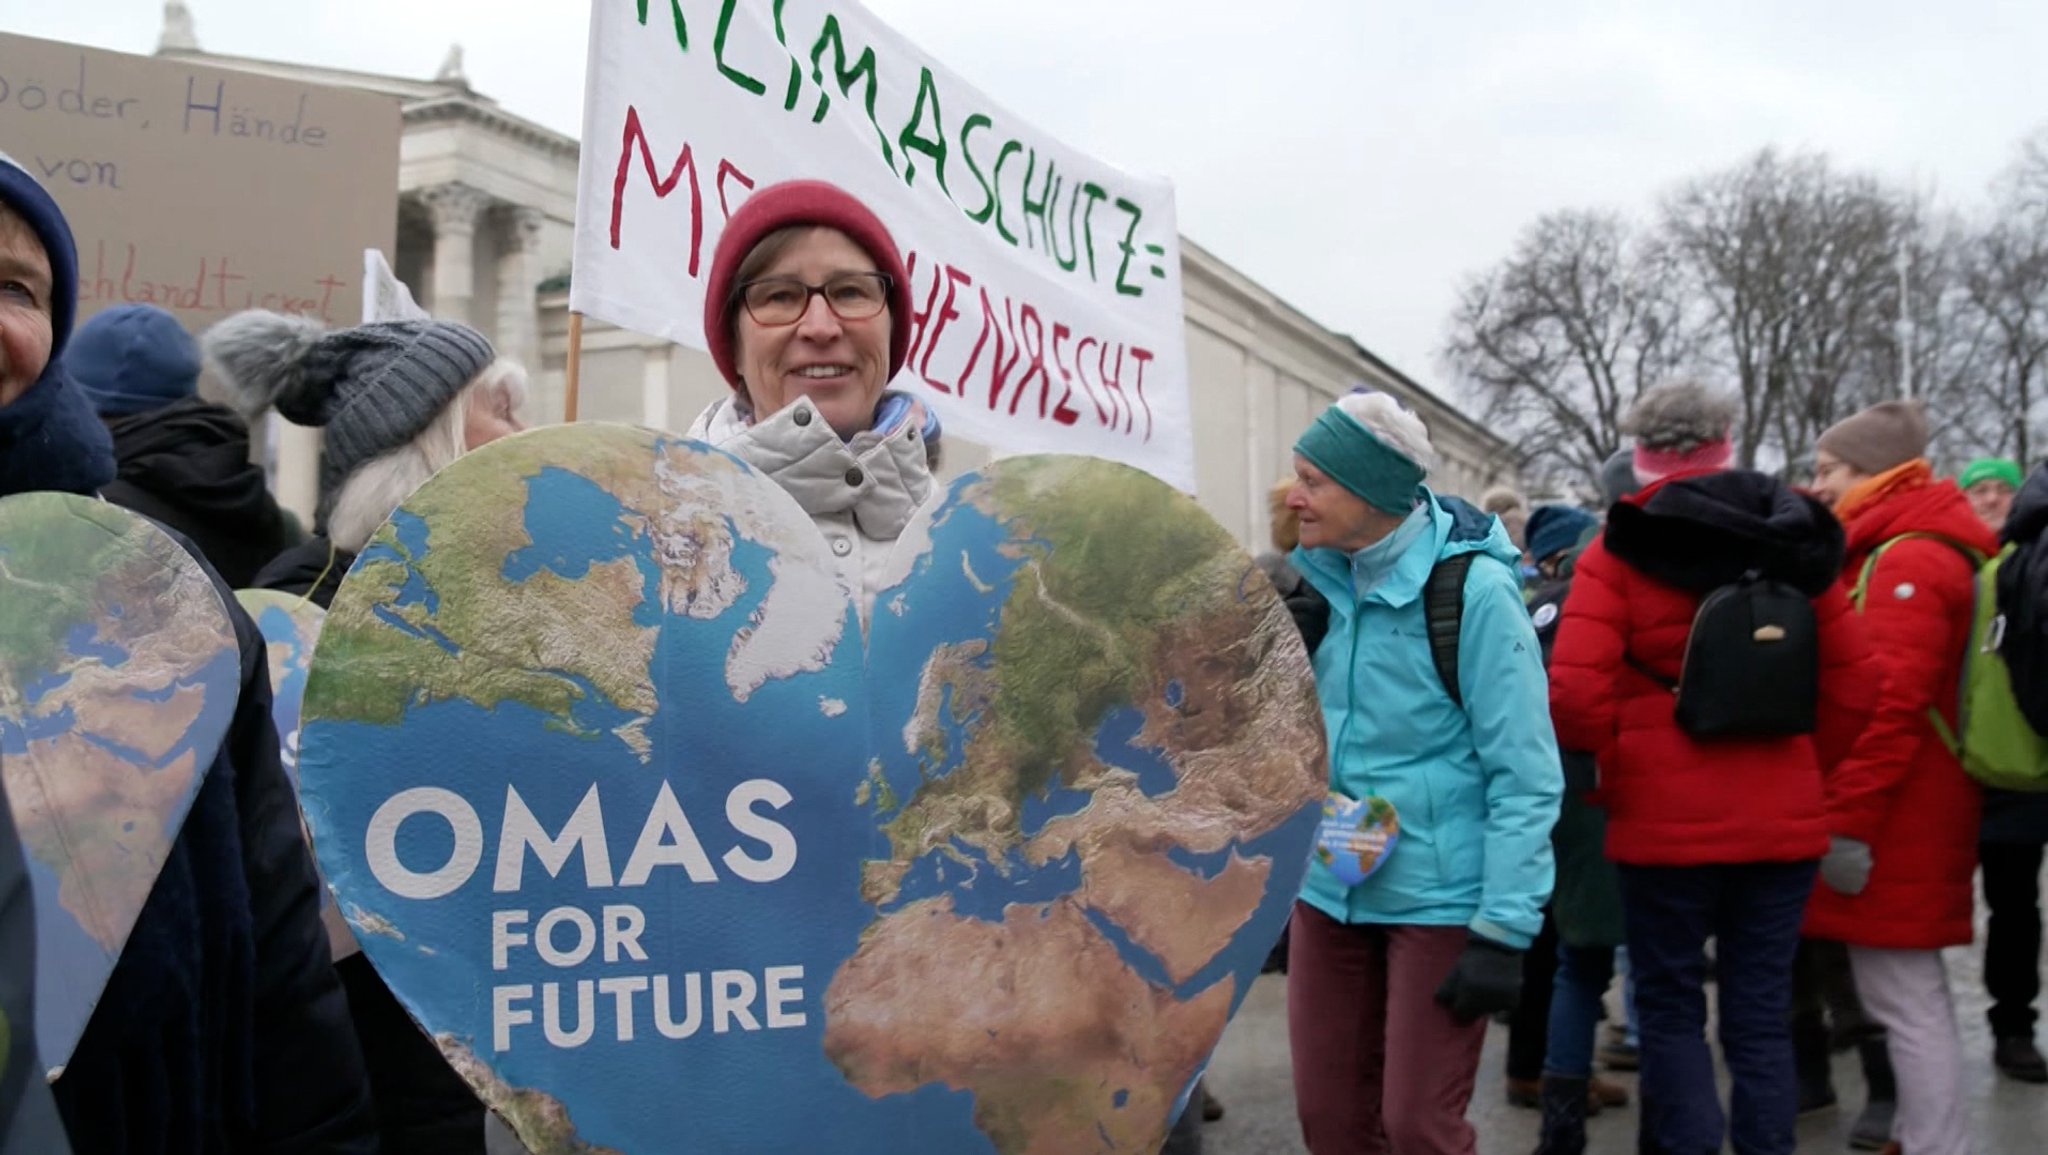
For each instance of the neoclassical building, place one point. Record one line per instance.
(487, 207)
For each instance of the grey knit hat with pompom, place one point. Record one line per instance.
(371, 388)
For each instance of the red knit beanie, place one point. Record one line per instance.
(1652, 464)
(800, 202)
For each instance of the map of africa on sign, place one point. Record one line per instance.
(118, 677)
(662, 851)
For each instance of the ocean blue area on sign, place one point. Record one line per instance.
(119, 675)
(290, 626)
(625, 925)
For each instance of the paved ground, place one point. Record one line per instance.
(1250, 1074)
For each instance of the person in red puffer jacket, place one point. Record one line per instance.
(1712, 839)
(1902, 813)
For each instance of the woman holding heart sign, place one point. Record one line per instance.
(1434, 857)
(222, 1026)
(396, 402)
(806, 313)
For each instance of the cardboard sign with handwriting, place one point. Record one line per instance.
(201, 190)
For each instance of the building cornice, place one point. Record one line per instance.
(403, 87)
(420, 101)
(466, 110)
(1269, 307)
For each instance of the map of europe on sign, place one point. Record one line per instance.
(118, 677)
(667, 856)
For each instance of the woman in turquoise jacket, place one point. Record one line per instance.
(1392, 974)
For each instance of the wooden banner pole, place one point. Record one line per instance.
(573, 370)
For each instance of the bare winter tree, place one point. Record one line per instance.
(1555, 342)
(2007, 283)
(1951, 344)
(1790, 266)
(1813, 292)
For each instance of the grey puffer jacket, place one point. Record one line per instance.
(861, 493)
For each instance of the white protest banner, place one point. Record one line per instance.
(385, 297)
(1046, 285)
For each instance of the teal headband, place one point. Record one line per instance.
(1339, 445)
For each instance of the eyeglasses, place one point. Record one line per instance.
(778, 301)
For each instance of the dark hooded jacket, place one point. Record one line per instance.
(223, 1029)
(1586, 905)
(1673, 800)
(2011, 816)
(28, 1117)
(187, 466)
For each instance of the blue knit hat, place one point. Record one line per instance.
(27, 199)
(133, 358)
(1554, 529)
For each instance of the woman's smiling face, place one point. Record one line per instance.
(841, 365)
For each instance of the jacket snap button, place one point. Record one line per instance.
(854, 476)
(802, 418)
(841, 546)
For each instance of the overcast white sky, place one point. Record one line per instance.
(1356, 156)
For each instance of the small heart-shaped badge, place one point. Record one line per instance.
(1355, 836)
(119, 674)
(666, 855)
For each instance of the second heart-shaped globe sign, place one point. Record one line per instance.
(668, 857)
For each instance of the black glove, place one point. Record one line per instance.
(1486, 980)
(1311, 615)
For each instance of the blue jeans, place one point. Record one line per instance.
(1582, 977)
(1753, 912)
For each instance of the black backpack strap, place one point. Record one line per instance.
(1443, 608)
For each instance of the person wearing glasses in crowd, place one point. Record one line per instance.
(807, 312)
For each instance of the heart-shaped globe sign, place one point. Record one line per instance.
(1355, 836)
(665, 858)
(119, 673)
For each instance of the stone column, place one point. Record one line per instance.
(518, 310)
(455, 209)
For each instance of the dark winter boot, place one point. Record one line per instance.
(1564, 1116)
(1811, 1060)
(1873, 1127)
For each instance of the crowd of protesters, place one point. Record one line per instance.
(1699, 731)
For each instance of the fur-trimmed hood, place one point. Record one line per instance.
(1707, 530)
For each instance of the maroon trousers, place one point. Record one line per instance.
(1379, 1067)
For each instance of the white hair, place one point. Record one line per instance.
(376, 489)
(1401, 430)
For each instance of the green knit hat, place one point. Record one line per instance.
(1990, 469)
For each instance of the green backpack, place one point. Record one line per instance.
(1992, 738)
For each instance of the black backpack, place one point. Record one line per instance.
(1752, 663)
(1443, 612)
